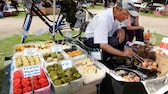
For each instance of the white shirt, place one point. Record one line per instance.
(102, 26)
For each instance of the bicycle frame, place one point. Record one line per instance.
(58, 24)
(43, 17)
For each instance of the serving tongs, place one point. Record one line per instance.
(138, 57)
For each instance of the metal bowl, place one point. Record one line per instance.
(148, 66)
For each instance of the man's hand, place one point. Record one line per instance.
(121, 35)
(128, 52)
(141, 27)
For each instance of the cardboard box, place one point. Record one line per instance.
(163, 65)
(43, 10)
(49, 11)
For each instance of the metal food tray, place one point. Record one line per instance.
(154, 86)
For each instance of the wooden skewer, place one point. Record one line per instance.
(138, 57)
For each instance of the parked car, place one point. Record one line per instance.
(9, 10)
(160, 8)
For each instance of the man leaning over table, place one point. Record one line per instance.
(104, 31)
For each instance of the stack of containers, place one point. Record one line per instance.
(27, 56)
(66, 81)
(63, 81)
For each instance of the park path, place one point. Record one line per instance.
(11, 25)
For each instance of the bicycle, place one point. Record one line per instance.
(63, 20)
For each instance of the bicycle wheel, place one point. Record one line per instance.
(26, 26)
(69, 33)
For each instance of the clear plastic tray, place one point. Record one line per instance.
(28, 60)
(68, 87)
(43, 90)
(90, 72)
(46, 45)
(83, 55)
(52, 62)
(20, 47)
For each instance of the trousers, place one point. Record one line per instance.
(138, 34)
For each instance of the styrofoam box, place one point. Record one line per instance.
(22, 54)
(66, 88)
(44, 90)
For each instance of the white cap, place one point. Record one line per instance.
(129, 6)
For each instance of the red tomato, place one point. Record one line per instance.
(43, 80)
(18, 81)
(17, 91)
(17, 85)
(44, 84)
(36, 86)
(26, 83)
(27, 89)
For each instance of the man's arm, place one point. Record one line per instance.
(135, 25)
(112, 50)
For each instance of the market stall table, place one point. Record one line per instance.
(110, 83)
(87, 89)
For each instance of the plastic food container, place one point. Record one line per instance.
(50, 57)
(19, 84)
(90, 72)
(75, 52)
(67, 88)
(20, 47)
(63, 86)
(20, 60)
(46, 45)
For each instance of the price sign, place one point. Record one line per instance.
(66, 64)
(96, 55)
(56, 48)
(30, 51)
(31, 71)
